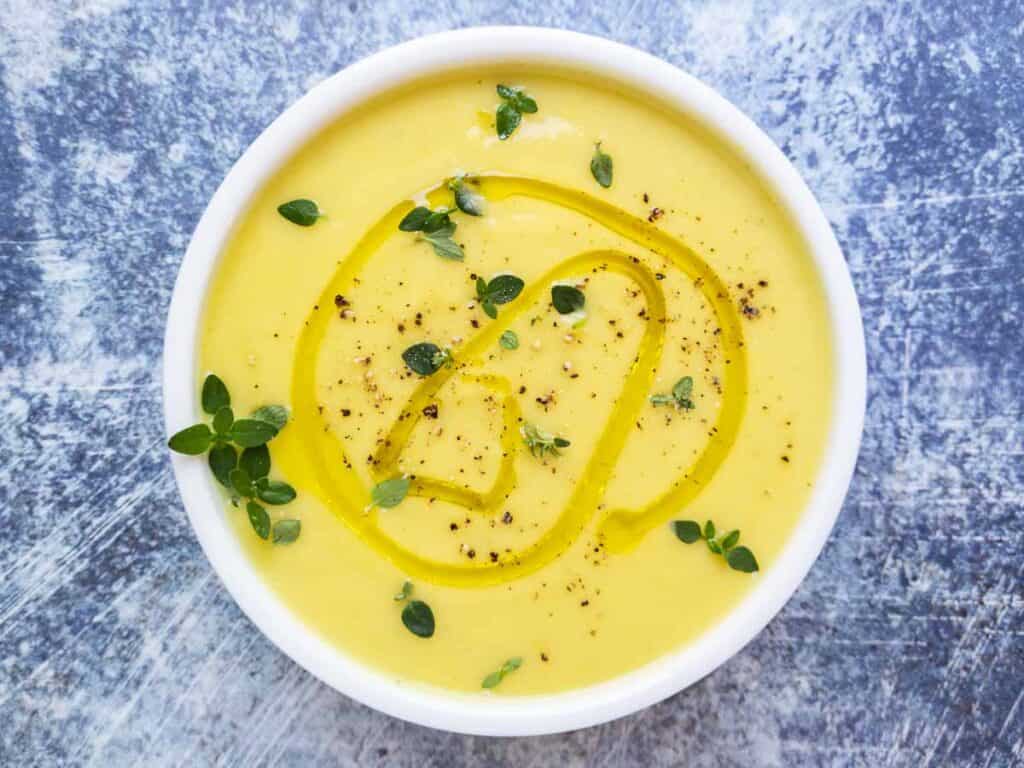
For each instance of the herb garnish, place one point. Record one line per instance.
(467, 199)
(601, 167)
(246, 475)
(567, 299)
(389, 493)
(680, 396)
(286, 531)
(738, 558)
(249, 481)
(302, 212)
(418, 618)
(540, 442)
(272, 414)
(437, 228)
(514, 104)
(501, 290)
(426, 358)
(509, 340)
(406, 591)
(511, 665)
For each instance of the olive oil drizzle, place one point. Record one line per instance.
(620, 529)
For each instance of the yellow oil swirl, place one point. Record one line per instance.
(348, 495)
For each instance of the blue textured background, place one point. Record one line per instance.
(118, 646)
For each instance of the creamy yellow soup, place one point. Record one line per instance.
(566, 559)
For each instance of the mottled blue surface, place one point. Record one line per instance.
(118, 646)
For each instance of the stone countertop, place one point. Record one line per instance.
(118, 645)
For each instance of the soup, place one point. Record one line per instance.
(557, 372)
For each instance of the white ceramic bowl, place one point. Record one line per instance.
(505, 715)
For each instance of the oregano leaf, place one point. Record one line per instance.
(302, 212)
(191, 440)
(215, 395)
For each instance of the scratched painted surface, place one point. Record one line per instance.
(118, 646)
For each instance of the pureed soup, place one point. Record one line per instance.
(532, 334)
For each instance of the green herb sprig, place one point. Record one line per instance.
(302, 212)
(216, 401)
(567, 299)
(681, 395)
(540, 442)
(467, 199)
(436, 228)
(426, 358)
(418, 618)
(514, 104)
(389, 493)
(601, 167)
(738, 558)
(509, 340)
(500, 290)
(510, 665)
(246, 475)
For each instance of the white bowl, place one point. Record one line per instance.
(492, 715)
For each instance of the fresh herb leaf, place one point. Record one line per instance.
(507, 119)
(258, 518)
(215, 395)
(437, 228)
(287, 531)
(445, 247)
(302, 212)
(541, 442)
(738, 558)
(729, 540)
(501, 290)
(601, 167)
(250, 432)
(406, 591)
(222, 459)
(242, 483)
(426, 358)
(191, 440)
(517, 98)
(742, 559)
(223, 420)
(680, 397)
(688, 531)
(272, 414)
(504, 288)
(683, 388)
(467, 199)
(418, 618)
(525, 104)
(256, 461)
(275, 492)
(510, 112)
(389, 493)
(414, 220)
(439, 223)
(509, 340)
(511, 665)
(567, 299)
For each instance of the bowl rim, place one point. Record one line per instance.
(483, 714)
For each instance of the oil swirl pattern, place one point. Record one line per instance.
(348, 495)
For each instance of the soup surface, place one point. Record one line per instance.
(693, 383)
